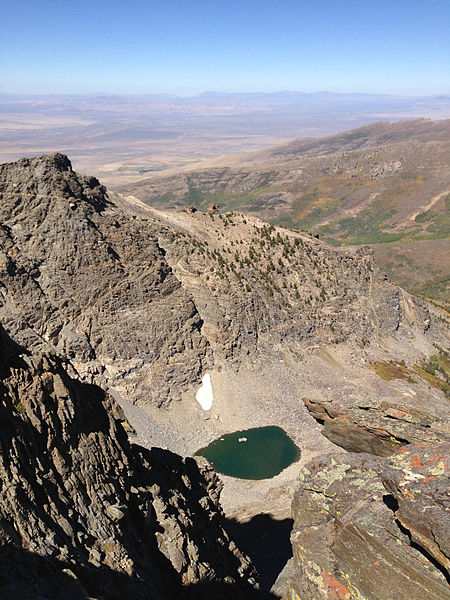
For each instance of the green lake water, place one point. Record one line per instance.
(264, 454)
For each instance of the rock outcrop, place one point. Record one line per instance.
(96, 290)
(381, 427)
(147, 302)
(80, 278)
(371, 528)
(258, 287)
(85, 514)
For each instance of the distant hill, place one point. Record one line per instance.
(384, 183)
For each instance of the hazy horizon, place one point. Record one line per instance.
(206, 92)
(154, 47)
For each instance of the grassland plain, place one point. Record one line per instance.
(122, 139)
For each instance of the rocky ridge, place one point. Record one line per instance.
(275, 287)
(386, 184)
(314, 182)
(85, 514)
(146, 303)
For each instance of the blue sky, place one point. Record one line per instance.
(80, 46)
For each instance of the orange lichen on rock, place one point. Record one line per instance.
(415, 462)
(335, 590)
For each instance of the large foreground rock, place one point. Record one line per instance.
(373, 529)
(84, 514)
(381, 427)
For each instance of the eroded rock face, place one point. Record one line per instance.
(146, 303)
(260, 288)
(371, 528)
(80, 278)
(84, 514)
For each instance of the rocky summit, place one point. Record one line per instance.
(82, 279)
(118, 320)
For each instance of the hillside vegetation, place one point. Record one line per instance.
(385, 183)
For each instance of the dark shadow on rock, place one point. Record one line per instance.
(166, 541)
(207, 534)
(266, 541)
(10, 353)
(28, 576)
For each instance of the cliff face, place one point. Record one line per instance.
(84, 514)
(114, 294)
(81, 278)
(258, 287)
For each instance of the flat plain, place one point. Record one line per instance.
(386, 184)
(124, 139)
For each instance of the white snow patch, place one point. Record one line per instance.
(204, 396)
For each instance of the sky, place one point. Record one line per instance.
(191, 46)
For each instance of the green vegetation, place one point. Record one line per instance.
(434, 289)
(365, 229)
(20, 408)
(320, 210)
(388, 370)
(435, 370)
(233, 199)
(140, 170)
(424, 217)
(164, 199)
(439, 226)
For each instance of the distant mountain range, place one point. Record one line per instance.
(119, 138)
(285, 95)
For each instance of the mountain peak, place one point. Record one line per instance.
(46, 179)
(55, 160)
